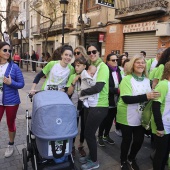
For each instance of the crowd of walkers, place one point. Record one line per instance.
(115, 91)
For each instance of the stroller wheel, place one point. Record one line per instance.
(24, 157)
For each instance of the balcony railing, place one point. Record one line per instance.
(142, 9)
(35, 30)
(57, 25)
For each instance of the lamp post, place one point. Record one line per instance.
(63, 7)
(21, 27)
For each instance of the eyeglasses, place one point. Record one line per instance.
(93, 52)
(5, 50)
(114, 60)
(138, 63)
(77, 53)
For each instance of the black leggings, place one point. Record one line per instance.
(137, 132)
(93, 117)
(162, 151)
(106, 124)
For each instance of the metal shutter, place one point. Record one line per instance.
(136, 42)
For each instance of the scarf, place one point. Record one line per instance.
(137, 78)
(96, 63)
(111, 67)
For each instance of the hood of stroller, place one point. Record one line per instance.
(54, 116)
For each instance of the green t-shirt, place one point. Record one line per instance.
(103, 76)
(76, 92)
(56, 74)
(130, 114)
(163, 87)
(151, 64)
(157, 72)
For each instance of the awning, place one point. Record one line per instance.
(89, 31)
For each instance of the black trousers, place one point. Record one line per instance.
(93, 117)
(33, 66)
(162, 145)
(106, 124)
(81, 117)
(129, 132)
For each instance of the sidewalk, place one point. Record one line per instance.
(108, 156)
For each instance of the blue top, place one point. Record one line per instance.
(10, 92)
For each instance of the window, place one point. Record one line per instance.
(91, 5)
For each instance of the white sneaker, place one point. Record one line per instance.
(9, 151)
(118, 132)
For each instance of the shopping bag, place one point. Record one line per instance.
(146, 115)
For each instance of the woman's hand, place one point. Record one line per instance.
(160, 133)
(152, 95)
(7, 80)
(32, 92)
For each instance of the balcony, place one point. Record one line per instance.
(140, 10)
(57, 25)
(35, 30)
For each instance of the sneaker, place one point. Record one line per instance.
(108, 140)
(9, 151)
(84, 160)
(90, 165)
(148, 136)
(100, 141)
(124, 166)
(81, 151)
(133, 164)
(73, 152)
(118, 132)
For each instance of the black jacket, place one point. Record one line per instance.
(112, 90)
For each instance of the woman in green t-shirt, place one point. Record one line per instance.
(160, 121)
(56, 72)
(135, 91)
(156, 73)
(98, 109)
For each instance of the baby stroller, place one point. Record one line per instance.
(53, 127)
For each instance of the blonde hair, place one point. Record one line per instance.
(166, 72)
(130, 64)
(82, 51)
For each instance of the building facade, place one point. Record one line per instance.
(144, 26)
(132, 26)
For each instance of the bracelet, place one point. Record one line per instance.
(72, 84)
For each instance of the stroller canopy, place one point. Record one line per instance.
(53, 116)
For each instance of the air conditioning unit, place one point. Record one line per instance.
(162, 29)
(86, 19)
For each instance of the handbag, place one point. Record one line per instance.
(146, 116)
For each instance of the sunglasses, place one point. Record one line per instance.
(77, 53)
(5, 50)
(114, 60)
(93, 52)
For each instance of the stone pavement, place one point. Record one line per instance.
(108, 156)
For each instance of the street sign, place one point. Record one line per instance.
(107, 3)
